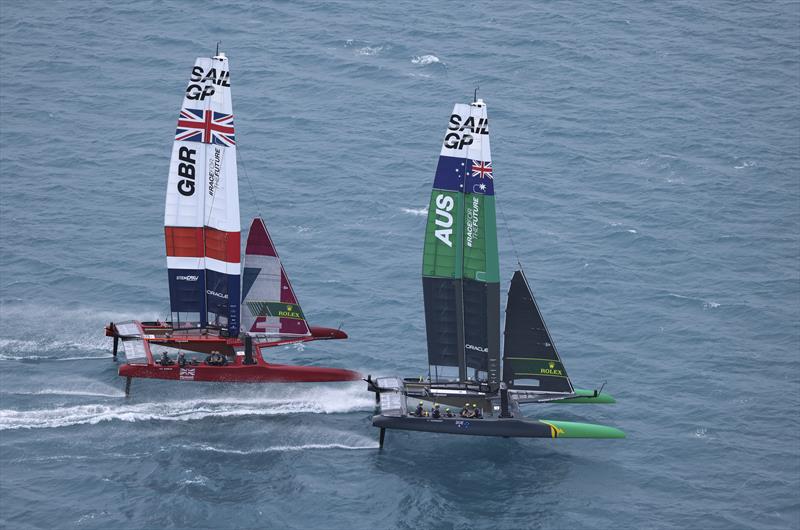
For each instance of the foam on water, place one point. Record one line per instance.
(317, 400)
(425, 60)
(420, 212)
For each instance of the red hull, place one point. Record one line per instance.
(239, 373)
(235, 371)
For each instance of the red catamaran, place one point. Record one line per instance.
(209, 289)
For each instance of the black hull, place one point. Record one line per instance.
(510, 427)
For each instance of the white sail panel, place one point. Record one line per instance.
(467, 133)
(203, 186)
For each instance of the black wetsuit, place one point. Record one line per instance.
(436, 413)
(419, 412)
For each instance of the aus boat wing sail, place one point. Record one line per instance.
(460, 262)
(201, 218)
(270, 305)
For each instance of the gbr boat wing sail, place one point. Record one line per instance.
(270, 305)
(201, 218)
(460, 270)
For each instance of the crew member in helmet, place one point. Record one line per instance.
(420, 410)
(448, 413)
(466, 412)
(181, 359)
(165, 360)
(476, 412)
(435, 412)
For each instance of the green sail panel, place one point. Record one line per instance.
(481, 262)
(442, 253)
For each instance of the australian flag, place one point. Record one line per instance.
(205, 126)
(465, 175)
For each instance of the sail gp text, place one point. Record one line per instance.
(458, 137)
(203, 84)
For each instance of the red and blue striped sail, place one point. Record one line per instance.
(270, 307)
(201, 219)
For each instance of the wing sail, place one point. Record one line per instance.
(460, 269)
(201, 217)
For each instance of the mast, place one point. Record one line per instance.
(460, 270)
(201, 216)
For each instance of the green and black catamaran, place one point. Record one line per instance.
(461, 288)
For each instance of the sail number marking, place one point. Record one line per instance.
(186, 171)
(444, 219)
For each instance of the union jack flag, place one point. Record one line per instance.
(482, 169)
(205, 126)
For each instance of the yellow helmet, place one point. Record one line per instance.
(474, 404)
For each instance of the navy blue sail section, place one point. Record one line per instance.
(465, 175)
(186, 295)
(222, 299)
(249, 276)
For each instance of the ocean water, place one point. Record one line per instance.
(647, 166)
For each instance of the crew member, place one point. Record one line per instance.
(420, 411)
(215, 359)
(165, 360)
(465, 412)
(436, 413)
(476, 412)
(447, 413)
(181, 359)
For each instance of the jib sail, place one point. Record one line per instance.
(201, 217)
(270, 305)
(530, 358)
(460, 271)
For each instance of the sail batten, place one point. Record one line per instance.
(201, 215)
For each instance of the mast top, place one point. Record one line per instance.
(219, 55)
(477, 102)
